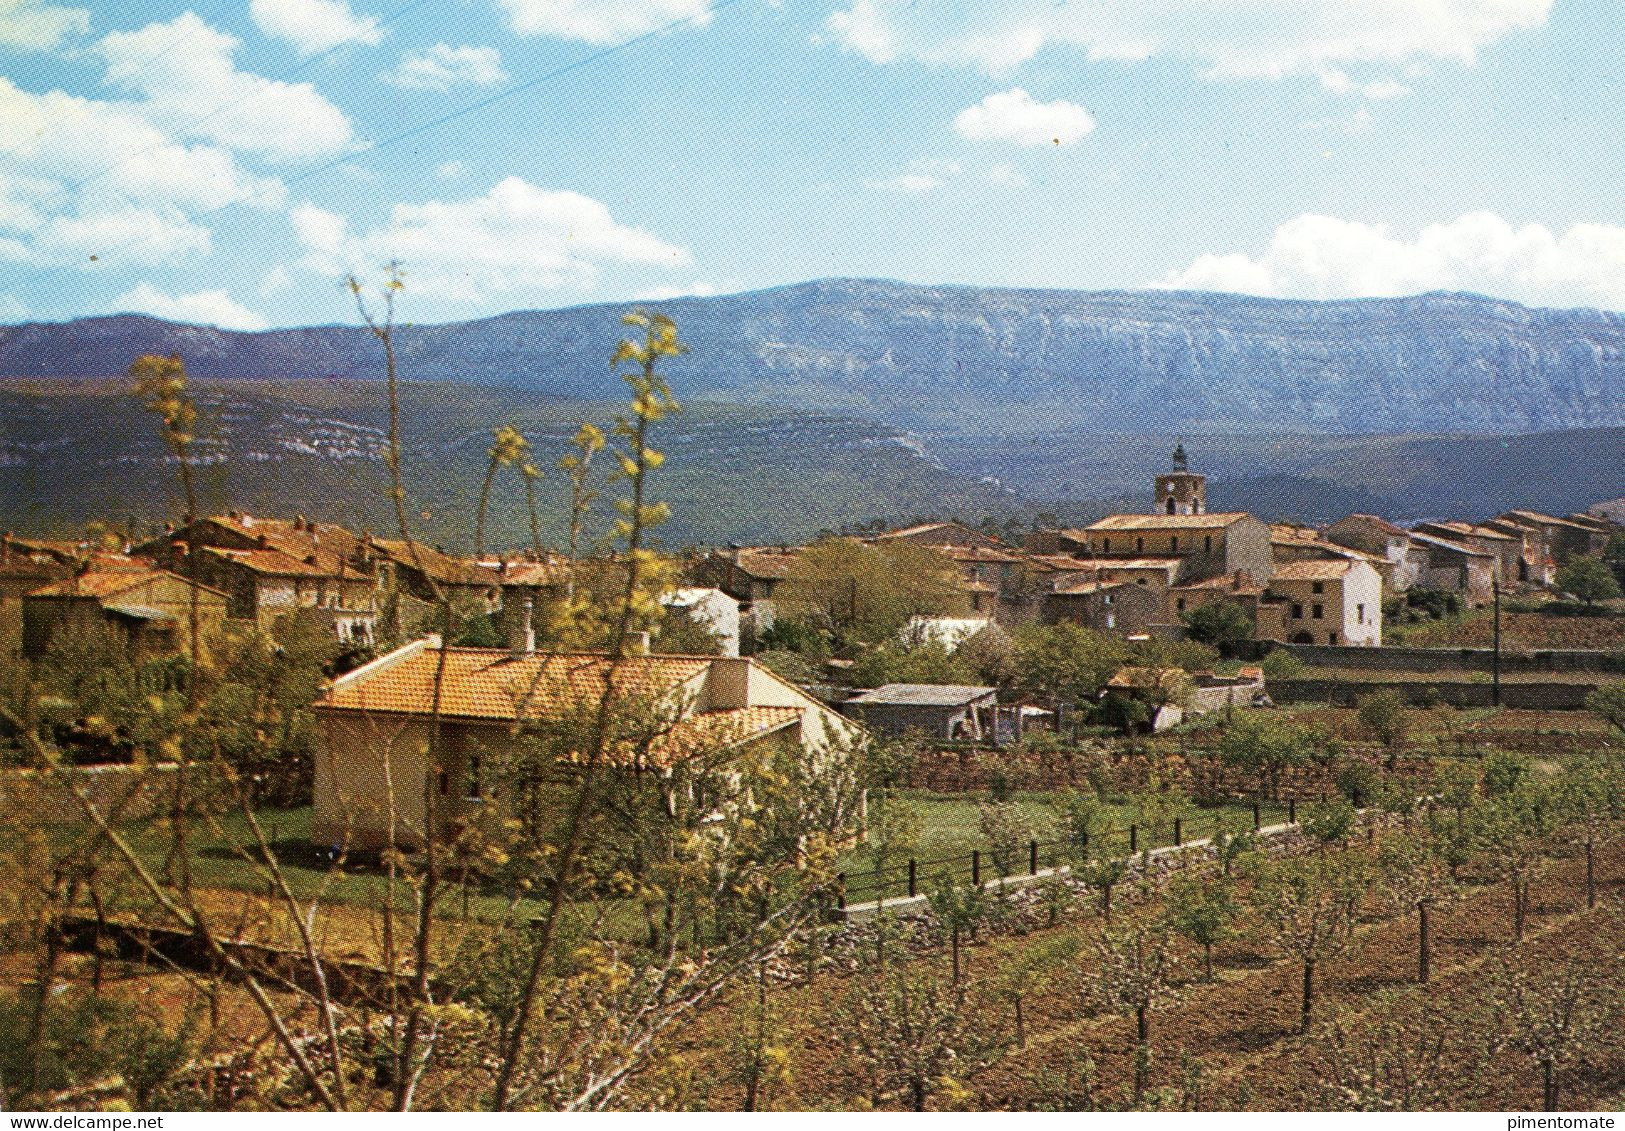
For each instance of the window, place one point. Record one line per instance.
(1111, 620)
(1207, 543)
(1297, 612)
(1139, 545)
(445, 783)
(1319, 612)
(473, 777)
(1108, 598)
(1179, 604)
(1359, 614)
(1331, 638)
(1170, 504)
(1173, 543)
(1105, 545)
(1139, 581)
(1318, 587)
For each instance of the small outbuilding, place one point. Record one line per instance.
(939, 710)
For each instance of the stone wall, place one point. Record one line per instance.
(1455, 693)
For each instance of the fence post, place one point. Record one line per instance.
(1292, 810)
(975, 868)
(1179, 832)
(1258, 817)
(913, 877)
(1032, 857)
(1133, 839)
(840, 891)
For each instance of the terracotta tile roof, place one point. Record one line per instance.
(1325, 570)
(1078, 586)
(1376, 521)
(292, 536)
(1217, 521)
(1136, 562)
(110, 584)
(928, 527)
(489, 683)
(1057, 563)
(976, 554)
(442, 567)
(1146, 677)
(276, 563)
(1433, 541)
(1538, 519)
(1468, 529)
(766, 563)
(1225, 582)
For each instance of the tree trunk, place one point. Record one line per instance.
(1422, 951)
(1142, 1025)
(1106, 903)
(1021, 1025)
(917, 1087)
(1548, 1072)
(1518, 909)
(1308, 993)
(955, 948)
(1207, 960)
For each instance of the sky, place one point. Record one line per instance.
(231, 162)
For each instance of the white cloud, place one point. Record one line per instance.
(208, 308)
(1324, 257)
(1233, 38)
(450, 170)
(276, 281)
(1012, 115)
(1339, 82)
(1006, 175)
(81, 177)
(28, 25)
(601, 21)
(313, 26)
(696, 289)
(12, 308)
(517, 239)
(186, 72)
(442, 67)
(912, 184)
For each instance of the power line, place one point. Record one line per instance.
(454, 115)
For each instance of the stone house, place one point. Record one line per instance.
(1560, 538)
(1268, 611)
(1443, 563)
(1336, 601)
(1205, 545)
(374, 728)
(1380, 538)
(1119, 607)
(149, 609)
(944, 711)
(750, 575)
(1508, 549)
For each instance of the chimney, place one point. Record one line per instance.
(522, 632)
(262, 542)
(637, 643)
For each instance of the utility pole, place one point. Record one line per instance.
(1495, 689)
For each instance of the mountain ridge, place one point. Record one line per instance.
(956, 359)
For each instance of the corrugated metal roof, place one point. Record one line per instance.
(924, 695)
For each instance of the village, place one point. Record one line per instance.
(918, 817)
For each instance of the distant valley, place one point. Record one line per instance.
(848, 401)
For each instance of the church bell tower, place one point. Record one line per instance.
(1181, 491)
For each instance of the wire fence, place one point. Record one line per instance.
(913, 877)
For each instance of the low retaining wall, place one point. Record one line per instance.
(133, 792)
(1403, 659)
(1456, 693)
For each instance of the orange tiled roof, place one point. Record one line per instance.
(276, 563)
(1326, 570)
(109, 584)
(719, 730)
(769, 564)
(489, 683)
(442, 567)
(1215, 521)
(1138, 561)
(1376, 521)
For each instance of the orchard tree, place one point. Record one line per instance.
(1591, 795)
(1033, 968)
(1383, 715)
(1512, 832)
(1201, 908)
(1267, 747)
(910, 1035)
(1553, 1014)
(1135, 971)
(867, 594)
(1306, 905)
(1415, 876)
(1608, 704)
